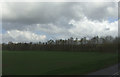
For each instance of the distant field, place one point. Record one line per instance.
(55, 63)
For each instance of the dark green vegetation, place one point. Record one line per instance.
(101, 44)
(60, 57)
(55, 63)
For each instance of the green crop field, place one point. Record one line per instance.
(55, 63)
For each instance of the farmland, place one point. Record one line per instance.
(55, 63)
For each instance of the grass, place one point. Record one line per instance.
(55, 63)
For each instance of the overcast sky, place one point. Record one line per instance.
(37, 21)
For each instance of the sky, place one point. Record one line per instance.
(41, 21)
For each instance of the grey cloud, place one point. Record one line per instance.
(43, 13)
(26, 14)
(100, 11)
(59, 14)
(52, 20)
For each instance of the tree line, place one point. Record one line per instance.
(102, 44)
